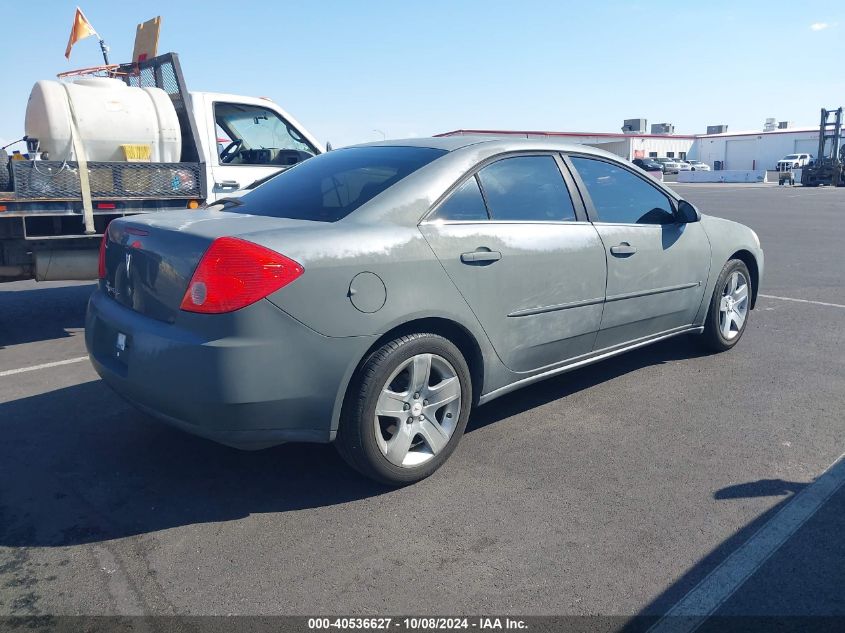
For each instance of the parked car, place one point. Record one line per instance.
(683, 165)
(371, 296)
(650, 166)
(697, 165)
(793, 161)
(670, 166)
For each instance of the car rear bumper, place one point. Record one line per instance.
(250, 379)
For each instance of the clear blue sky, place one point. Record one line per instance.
(414, 68)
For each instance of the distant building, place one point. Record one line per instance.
(629, 146)
(727, 150)
(755, 150)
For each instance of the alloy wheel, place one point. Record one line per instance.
(733, 306)
(417, 410)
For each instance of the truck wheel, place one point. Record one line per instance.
(406, 409)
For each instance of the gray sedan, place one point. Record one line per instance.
(371, 296)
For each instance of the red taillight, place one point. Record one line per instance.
(234, 273)
(101, 261)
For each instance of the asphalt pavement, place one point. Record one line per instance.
(623, 488)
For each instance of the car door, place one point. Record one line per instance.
(525, 258)
(657, 268)
(251, 142)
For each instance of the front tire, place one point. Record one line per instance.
(406, 409)
(730, 307)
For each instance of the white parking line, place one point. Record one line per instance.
(706, 597)
(58, 363)
(818, 303)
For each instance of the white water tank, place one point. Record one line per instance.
(108, 114)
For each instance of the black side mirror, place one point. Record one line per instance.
(687, 213)
(329, 146)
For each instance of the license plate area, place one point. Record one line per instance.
(112, 347)
(121, 347)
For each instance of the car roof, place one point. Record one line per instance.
(491, 144)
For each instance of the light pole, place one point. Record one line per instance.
(383, 135)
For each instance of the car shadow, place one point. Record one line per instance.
(79, 465)
(545, 391)
(42, 313)
(795, 588)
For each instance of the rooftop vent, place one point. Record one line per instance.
(770, 125)
(634, 126)
(717, 129)
(662, 128)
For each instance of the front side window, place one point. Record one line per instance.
(330, 186)
(253, 135)
(526, 188)
(620, 196)
(464, 204)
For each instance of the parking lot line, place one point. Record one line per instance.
(818, 303)
(58, 363)
(706, 597)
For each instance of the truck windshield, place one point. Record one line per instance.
(257, 128)
(329, 187)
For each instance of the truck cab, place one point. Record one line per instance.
(245, 139)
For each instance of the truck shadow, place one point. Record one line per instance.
(79, 465)
(31, 313)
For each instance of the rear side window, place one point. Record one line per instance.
(330, 186)
(465, 204)
(526, 188)
(622, 197)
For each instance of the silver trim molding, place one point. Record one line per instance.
(599, 355)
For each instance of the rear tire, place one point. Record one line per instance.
(730, 307)
(421, 388)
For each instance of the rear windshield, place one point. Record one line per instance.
(329, 187)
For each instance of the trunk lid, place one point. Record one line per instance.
(150, 258)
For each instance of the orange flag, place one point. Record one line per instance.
(79, 31)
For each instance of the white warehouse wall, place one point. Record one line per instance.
(741, 151)
(754, 150)
(661, 145)
(627, 146)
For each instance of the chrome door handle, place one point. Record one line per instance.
(623, 250)
(480, 256)
(228, 184)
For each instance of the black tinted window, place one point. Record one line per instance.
(331, 186)
(465, 203)
(620, 196)
(526, 188)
